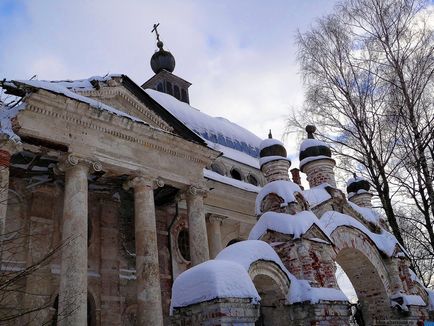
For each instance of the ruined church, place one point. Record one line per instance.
(121, 204)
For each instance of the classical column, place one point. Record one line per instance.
(214, 233)
(149, 310)
(199, 251)
(73, 274)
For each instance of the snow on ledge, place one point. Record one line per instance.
(229, 181)
(385, 241)
(210, 280)
(368, 213)
(294, 225)
(282, 188)
(314, 158)
(234, 154)
(316, 195)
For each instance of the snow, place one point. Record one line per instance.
(326, 294)
(6, 115)
(234, 154)
(408, 300)
(314, 158)
(247, 252)
(316, 195)
(294, 225)
(431, 299)
(368, 213)
(210, 280)
(356, 179)
(59, 88)
(358, 192)
(215, 129)
(282, 188)
(305, 144)
(229, 181)
(268, 142)
(267, 159)
(384, 241)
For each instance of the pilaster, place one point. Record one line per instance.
(214, 233)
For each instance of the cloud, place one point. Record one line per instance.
(240, 56)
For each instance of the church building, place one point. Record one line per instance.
(121, 204)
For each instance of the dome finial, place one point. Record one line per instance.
(159, 42)
(310, 129)
(270, 135)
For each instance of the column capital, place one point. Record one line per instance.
(70, 160)
(216, 219)
(143, 180)
(196, 190)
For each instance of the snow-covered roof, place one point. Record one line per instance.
(234, 154)
(210, 280)
(309, 142)
(269, 142)
(214, 129)
(247, 252)
(384, 241)
(294, 225)
(229, 181)
(316, 195)
(6, 116)
(66, 88)
(368, 213)
(282, 188)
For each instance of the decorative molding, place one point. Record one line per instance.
(63, 114)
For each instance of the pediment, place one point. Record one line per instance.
(120, 98)
(316, 234)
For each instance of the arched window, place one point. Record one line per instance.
(235, 174)
(183, 244)
(218, 168)
(176, 92)
(184, 97)
(252, 180)
(169, 88)
(160, 87)
(232, 242)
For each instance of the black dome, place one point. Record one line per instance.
(356, 184)
(273, 150)
(312, 147)
(162, 59)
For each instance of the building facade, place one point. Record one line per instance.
(111, 190)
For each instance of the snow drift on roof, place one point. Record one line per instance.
(269, 142)
(6, 116)
(59, 88)
(368, 213)
(215, 129)
(229, 181)
(234, 154)
(294, 225)
(311, 143)
(210, 280)
(316, 195)
(271, 158)
(282, 188)
(384, 241)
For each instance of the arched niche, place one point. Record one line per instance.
(272, 285)
(362, 262)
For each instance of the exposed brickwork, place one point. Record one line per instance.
(319, 172)
(5, 158)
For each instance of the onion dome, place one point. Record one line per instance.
(312, 149)
(162, 60)
(271, 150)
(357, 185)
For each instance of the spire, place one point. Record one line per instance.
(270, 135)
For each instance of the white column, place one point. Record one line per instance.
(73, 274)
(198, 239)
(149, 309)
(214, 233)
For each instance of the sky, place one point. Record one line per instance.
(240, 55)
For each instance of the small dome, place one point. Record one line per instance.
(271, 149)
(162, 59)
(312, 148)
(357, 185)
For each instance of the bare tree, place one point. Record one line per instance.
(369, 76)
